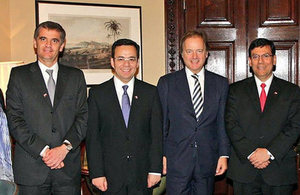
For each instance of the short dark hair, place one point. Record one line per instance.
(193, 33)
(128, 42)
(260, 43)
(51, 26)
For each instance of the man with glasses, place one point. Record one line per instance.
(124, 138)
(263, 123)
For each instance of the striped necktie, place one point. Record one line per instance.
(197, 97)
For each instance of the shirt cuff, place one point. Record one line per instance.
(224, 156)
(271, 155)
(155, 174)
(67, 142)
(250, 155)
(42, 153)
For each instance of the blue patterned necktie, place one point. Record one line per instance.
(125, 105)
(6, 172)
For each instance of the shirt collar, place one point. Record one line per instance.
(267, 82)
(119, 84)
(43, 67)
(200, 74)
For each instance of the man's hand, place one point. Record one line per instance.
(222, 166)
(53, 158)
(100, 183)
(263, 165)
(153, 180)
(164, 165)
(260, 158)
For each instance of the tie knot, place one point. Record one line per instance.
(195, 76)
(263, 85)
(49, 71)
(125, 87)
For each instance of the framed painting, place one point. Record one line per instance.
(91, 30)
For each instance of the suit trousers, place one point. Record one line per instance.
(193, 184)
(51, 186)
(129, 190)
(259, 187)
(129, 187)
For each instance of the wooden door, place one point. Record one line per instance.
(231, 25)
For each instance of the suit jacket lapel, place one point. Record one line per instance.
(273, 93)
(253, 94)
(184, 90)
(135, 102)
(39, 83)
(115, 106)
(209, 91)
(62, 79)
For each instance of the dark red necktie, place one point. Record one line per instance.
(263, 97)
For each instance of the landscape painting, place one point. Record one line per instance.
(91, 30)
(92, 50)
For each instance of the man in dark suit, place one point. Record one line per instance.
(263, 123)
(47, 115)
(124, 138)
(193, 100)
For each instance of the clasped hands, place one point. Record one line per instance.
(54, 157)
(260, 158)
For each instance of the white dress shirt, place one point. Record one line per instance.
(119, 90)
(191, 81)
(259, 82)
(45, 74)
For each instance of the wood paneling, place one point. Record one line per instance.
(279, 12)
(220, 58)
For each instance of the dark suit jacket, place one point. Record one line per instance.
(181, 129)
(110, 145)
(34, 123)
(277, 129)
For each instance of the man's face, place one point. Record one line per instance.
(262, 62)
(194, 53)
(125, 62)
(48, 45)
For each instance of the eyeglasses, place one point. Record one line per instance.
(122, 60)
(265, 56)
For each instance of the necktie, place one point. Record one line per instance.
(263, 97)
(197, 97)
(125, 105)
(51, 85)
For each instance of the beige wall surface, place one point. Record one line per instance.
(4, 31)
(22, 24)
